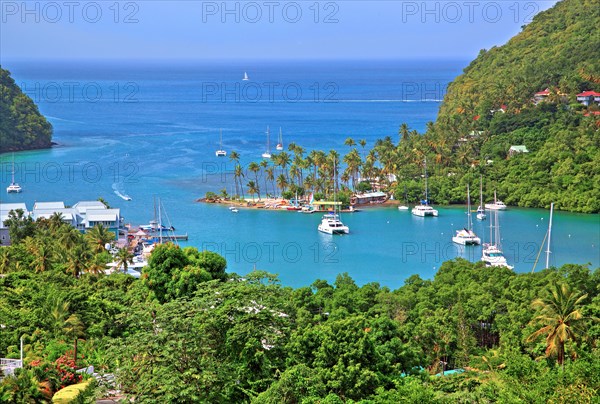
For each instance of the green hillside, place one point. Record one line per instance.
(491, 107)
(22, 127)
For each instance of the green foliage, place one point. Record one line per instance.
(22, 127)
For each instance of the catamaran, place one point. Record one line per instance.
(467, 236)
(496, 205)
(267, 154)
(331, 222)
(481, 208)
(13, 188)
(221, 152)
(492, 253)
(279, 146)
(424, 209)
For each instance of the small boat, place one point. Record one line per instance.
(467, 236)
(424, 209)
(404, 207)
(267, 154)
(221, 152)
(246, 78)
(307, 209)
(279, 146)
(234, 210)
(496, 205)
(331, 224)
(481, 209)
(492, 253)
(13, 188)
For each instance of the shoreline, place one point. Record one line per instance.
(277, 204)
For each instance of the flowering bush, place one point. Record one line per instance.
(65, 366)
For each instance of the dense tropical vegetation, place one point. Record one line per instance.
(187, 331)
(486, 110)
(22, 127)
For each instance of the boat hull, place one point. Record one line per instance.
(466, 240)
(332, 231)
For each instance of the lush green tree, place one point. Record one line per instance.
(562, 320)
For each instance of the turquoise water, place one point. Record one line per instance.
(163, 143)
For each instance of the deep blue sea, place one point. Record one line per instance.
(150, 130)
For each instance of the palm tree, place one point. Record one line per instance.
(264, 165)
(561, 318)
(282, 182)
(235, 157)
(124, 258)
(252, 189)
(270, 175)
(404, 132)
(78, 259)
(56, 220)
(4, 260)
(98, 237)
(42, 254)
(255, 168)
(349, 142)
(65, 323)
(238, 174)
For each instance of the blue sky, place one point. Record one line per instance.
(156, 29)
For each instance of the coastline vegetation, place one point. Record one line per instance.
(485, 111)
(22, 127)
(187, 331)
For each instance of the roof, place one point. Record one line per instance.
(7, 207)
(49, 205)
(102, 215)
(544, 92)
(68, 213)
(520, 149)
(593, 113)
(90, 204)
(377, 194)
(326, 203)
(588, 94)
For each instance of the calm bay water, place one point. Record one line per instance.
(151, 130)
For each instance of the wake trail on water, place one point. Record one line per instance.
(119, 191)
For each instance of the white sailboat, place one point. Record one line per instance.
(496, 205)
(424, 209)
(331, 222)
(13, 188)
(221, 152)
(492, 253)
(246, 78)
(267, 154)
(279, 146)
(404, 207)
(467, 236)
(481, 208)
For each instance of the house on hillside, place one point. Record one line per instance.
(588, 98)
(5, 209)
(541, 96)
(517, 149)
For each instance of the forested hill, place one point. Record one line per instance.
(22, 127)
(492, 106)
(559, 50)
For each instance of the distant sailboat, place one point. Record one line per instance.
(481, 208)
(267, 154)
(221, 152)
(280, 142)
(424, 209)
(467, 236)
(246, 78)
(13, 188)
(492, 253)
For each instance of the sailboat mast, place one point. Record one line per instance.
(549, 236)
(220, 139)
(268, 145)
(481, 205)
(426, 188)
(469, 223)
(13, 169)
(159, 223)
